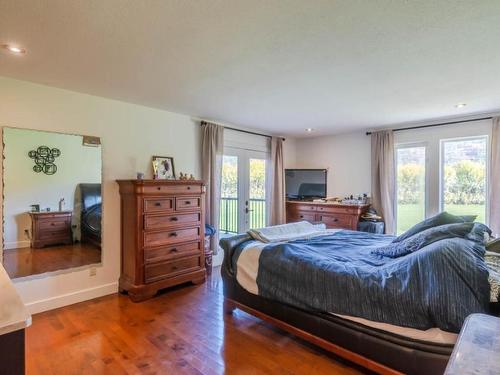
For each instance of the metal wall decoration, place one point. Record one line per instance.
(44, 158)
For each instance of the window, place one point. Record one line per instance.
(229, 195)
(442, 168)
(411, 186)
(463, 176)
(257, 187)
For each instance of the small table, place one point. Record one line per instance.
(477, 350)
(51, 228)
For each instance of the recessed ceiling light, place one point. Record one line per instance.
(14, 49)
(309, 130)
(460, 105)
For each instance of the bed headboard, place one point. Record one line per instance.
(90, 195)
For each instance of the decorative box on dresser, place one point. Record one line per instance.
(333, 215)
(162, 235)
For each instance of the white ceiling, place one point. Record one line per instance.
(280, 66)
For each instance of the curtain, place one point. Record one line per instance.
(278, 182)
(383, 177)
(494, 219)
(212, 148)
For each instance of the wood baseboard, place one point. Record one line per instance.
(71, 298)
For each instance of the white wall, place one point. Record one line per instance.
(24, 187)
(290, 153)
(130, 135)
(347, 158)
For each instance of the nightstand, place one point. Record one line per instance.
(51, 228)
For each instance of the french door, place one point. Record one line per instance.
(244, 190)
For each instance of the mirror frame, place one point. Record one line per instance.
(92, 139)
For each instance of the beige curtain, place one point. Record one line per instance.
(212, 148)
(278, 182)
(383, 177)
(495, 178)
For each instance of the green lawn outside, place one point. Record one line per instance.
(411, 214)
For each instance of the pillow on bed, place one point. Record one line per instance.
(440, 219)
(480, 233)
(423, 238)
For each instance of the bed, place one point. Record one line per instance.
(362, 325)
(91, 213)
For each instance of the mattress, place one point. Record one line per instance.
(247, 268)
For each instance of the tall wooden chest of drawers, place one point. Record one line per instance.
(162, 235)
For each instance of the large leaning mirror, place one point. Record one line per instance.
(51, 201)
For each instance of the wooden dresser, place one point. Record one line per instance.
(51, 228)
(342, 216)
(162, 235)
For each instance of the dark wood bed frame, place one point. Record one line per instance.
(230, 306)
(374, 349)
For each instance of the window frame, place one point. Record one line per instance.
(442, 141)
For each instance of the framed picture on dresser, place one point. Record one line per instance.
(163, 168)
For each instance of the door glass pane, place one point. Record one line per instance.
(257, 193)
(229, 195)
(464, 177)
(410, 186)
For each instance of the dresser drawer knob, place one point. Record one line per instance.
(174, 268)
(53, 224)
(158, 188)
(189, 187)
(187, 202)
(158, 204)
(174, 219)
(173, 234)
(174, 250)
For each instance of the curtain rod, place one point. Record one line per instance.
(243, 131)
(440, 124)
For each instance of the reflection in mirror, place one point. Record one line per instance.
(52, 201)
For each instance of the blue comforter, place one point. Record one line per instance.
(436, 286)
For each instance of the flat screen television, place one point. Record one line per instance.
(305, 183)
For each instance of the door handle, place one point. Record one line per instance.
(247, 210)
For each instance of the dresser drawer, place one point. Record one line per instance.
(339, 210)
(172, 252)
(302, 216)
(171, 220)
(173, 189)
(171, 236)
(53, 234)
(158, 204)
(336, 220)
(54, 224)
(155, 272)
(301, 207)
(187, 203)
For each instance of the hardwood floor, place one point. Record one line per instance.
(181, 331)
(28, 261)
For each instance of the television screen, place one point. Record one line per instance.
(305, 183)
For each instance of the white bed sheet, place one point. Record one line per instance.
(246, 275)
